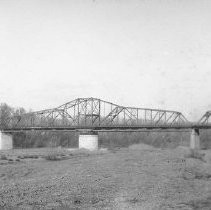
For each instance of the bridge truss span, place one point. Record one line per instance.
(96, 113)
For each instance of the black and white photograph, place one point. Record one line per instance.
(105, 105)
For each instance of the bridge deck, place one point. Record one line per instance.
(110, 128)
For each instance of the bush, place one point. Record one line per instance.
(195, 154)
(3, 157)
(55, 156)
(28, 156)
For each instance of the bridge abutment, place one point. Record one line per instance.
(195, 139)
(6, 141)
(88, 140)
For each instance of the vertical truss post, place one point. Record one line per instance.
(145, 116)
(92, 110)
(99, 111)
(124, 118)
(78, 113)
(151, 117)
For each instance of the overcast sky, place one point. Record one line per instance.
(144, 53)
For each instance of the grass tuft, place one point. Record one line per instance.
(195, 154)
(55, 156)
(3, 157)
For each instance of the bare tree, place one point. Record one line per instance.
(6, 112)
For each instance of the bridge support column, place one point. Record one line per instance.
(195, 139)
(88, 140)
(6, 141)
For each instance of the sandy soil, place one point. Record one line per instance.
(138, 177)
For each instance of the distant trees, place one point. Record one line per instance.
(5, 113)
(19, 111)
(156, 139)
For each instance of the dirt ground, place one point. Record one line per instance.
(138, 177)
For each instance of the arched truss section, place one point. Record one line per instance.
(94, 112)
(206, 119)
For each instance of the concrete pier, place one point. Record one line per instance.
(88, 140)
(6, 141)
(195, 139)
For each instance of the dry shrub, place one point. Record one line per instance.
(195, 154)
(28, 156)
(204, 203)
(54, 156)
(31, 156)
(3, 157)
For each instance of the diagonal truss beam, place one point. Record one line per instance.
(205, 119)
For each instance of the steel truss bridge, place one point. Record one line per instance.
(99, 115)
